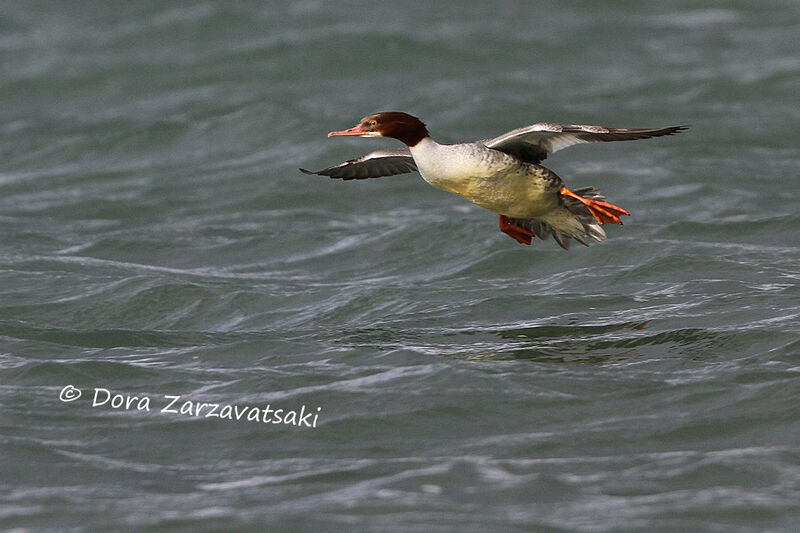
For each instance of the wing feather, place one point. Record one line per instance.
(535, 142)
(373, 165)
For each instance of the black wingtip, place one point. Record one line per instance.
(669, 130)
(304, 171)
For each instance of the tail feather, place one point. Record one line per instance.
(579, 218)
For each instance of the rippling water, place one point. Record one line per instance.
(159, 243)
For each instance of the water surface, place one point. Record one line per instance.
(158, 241)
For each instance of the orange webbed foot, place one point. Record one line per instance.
(602, 211)
(521, 235)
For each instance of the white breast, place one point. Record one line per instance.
(489, 178)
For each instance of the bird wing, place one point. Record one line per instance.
(373, 165)
(535, 142)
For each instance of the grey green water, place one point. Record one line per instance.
(158, 241)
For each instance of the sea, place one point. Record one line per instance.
(196, 336)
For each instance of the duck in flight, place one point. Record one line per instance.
(503, 174)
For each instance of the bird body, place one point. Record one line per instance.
(489, 178)
(503, 175)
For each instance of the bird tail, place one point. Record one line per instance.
(579, 217)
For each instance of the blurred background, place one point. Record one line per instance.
(157, 239)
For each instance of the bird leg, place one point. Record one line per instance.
(602, 211)
(521, 235)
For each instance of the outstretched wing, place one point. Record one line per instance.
(373, 165)
(535, 142)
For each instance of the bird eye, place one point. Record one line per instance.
(373, 123)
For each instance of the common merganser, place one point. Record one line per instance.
(503, 174)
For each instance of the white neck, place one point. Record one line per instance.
(440, 164)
